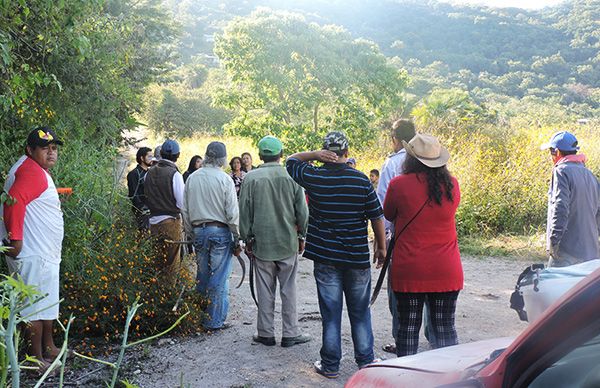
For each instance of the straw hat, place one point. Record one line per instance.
(428, 150)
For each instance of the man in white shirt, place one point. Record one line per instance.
(402, 129)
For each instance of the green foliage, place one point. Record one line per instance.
(106, 265)
(175, 110)
(78, 66)
(450, 108)
(291, 78)
(487, 51)
(81, 68)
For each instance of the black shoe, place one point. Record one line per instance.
(224, 327)
(390, 348)
(268, 341)
(286, 342)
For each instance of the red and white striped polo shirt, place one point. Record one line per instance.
(35, 217)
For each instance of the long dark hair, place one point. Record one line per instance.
(437, 178)
(192, 166)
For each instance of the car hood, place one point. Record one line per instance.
(448, 359)
(430, 368)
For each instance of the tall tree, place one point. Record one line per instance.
(299, 80)
(79, 66)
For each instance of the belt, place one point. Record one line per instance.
(218, 224)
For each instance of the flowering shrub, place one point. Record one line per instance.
(112, 273)
(106, 264)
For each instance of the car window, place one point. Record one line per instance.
(579, 368)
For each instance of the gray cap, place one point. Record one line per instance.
(157, 153)
(216, 149)
(335, 141)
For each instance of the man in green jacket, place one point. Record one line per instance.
(273, 222)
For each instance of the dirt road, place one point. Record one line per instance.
(230, 359)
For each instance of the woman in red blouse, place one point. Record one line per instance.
(426, 260)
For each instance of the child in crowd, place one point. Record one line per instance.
(374, 177)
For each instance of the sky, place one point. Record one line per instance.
(527, 4)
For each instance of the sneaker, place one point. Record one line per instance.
(267, 341)
(291, 341)
(375, 360)
(329, 374)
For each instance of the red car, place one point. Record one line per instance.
(560, 349)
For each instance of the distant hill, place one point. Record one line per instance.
(550, 53)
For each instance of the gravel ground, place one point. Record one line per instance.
(229, 358)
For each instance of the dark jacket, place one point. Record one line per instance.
(135, 185)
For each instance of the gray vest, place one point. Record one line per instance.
(158, 188)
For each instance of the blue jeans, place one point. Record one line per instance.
(332, 284)
(214, 247)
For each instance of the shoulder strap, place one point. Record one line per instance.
(140, 179)
(388, 256)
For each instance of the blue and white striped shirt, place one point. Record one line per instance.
(340, 201)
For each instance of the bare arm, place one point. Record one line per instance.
(379, 249)
(321, 155)
(14, 249)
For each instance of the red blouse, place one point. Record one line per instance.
(426, 256)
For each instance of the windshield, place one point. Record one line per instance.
(579, 368)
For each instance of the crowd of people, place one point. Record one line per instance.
(277, 211)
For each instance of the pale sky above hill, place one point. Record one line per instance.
(528, 4)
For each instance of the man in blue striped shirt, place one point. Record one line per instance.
(341, 200)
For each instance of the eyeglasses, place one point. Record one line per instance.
(552, 151)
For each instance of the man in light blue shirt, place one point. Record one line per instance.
(210, 212)
(402, 129)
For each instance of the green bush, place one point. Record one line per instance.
(106, 264)
(504, 176)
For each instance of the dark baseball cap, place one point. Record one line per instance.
(42, 136)
(216, 149)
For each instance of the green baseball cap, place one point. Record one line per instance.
(269, 146)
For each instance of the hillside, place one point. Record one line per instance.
(550, 53)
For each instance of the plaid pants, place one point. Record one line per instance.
(410, 315)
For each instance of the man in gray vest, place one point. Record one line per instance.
(164, 197)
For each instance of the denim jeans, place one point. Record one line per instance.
(332, 285)
(214, 248)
